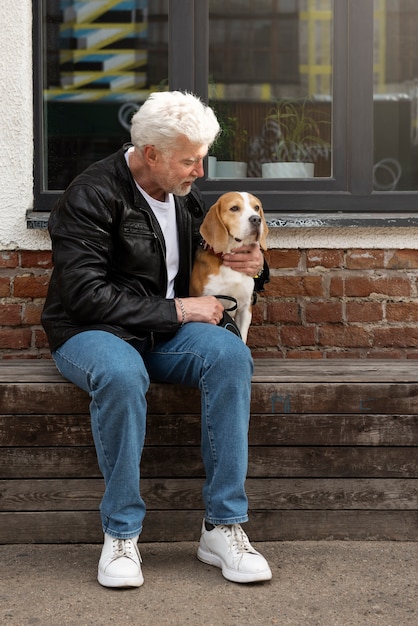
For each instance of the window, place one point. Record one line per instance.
(270, 83)
(395, 98)
(349, 66)
(100, 60)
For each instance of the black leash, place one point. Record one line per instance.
(231, 299)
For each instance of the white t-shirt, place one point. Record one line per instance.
(165, 212)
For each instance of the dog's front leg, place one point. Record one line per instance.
(243, 318)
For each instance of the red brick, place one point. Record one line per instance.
(10, 315)
(325, 258)
(317, 312)
(267, 354)
(8, 259)
(279, 259)
(262, 336)
(258, 314)
(29, 286)
(18, 338)
(295, 286)
(283, 312)
(344, 336)
(397, 337)
(304, 354)
(364, 311)
(23, 355)
(412, 354)
(343, 354)
(36, 258)
(365, 259)
(361, 286)
(384, 354)
(336, 286)
(297, 336)
(32, 313)
(402, 312)
(4, 287)
(403, 259)
(40, 338)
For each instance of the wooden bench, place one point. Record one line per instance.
(333, 455)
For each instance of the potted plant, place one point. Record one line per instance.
(229, 147)
(298, 142)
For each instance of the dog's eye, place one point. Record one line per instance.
(234, 208)
(256, 208)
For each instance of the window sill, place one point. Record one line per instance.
(38, 220)
(341, 220)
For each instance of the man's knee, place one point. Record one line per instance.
(125, 372)
(232, 354)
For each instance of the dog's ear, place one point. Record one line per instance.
(213, 229)
(263, 238)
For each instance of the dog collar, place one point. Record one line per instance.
(209, 248)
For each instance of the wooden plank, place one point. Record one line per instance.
(61, 494)
(185, 494)
(348, 371)
(276, 429)
(323, 462)
(85, 527)
(268, 398)
(332, 370)
(45, 430)
(70, 462)
(29, 370)
(333, 525)
(279, 384)
(333, 494)
(65, 398)
(50, 398)
(337, 398)
(333, 430)
(185, 461)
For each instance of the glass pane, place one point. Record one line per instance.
(101, 60)
(270, 69)
(395, 95)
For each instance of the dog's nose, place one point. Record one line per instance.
(255, 220)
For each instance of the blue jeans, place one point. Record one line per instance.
(117, 377)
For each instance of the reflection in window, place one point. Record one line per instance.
(395, 95)
(101, 60)
(270, 84)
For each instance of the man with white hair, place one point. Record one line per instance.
(118, 314)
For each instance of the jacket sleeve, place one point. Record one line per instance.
(82, 229)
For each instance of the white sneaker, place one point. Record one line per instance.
(120, 563)
(229, 548)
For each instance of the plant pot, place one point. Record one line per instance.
(231, 169)
(287, 170)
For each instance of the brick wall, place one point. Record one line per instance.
(337, 304)
(319, 304)
(24, 277)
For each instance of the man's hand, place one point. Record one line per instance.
(205, 309)
(246, 259)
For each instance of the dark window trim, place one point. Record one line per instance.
(43, 200)
(349, 191)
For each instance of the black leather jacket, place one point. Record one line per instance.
(109, 257)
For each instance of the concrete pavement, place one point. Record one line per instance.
(314, 584)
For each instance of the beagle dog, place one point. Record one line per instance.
(235, 220)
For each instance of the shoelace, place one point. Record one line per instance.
(239, 541)
(125, 547)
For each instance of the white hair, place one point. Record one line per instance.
(166, 115)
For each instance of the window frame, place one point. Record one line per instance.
(348, 191)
